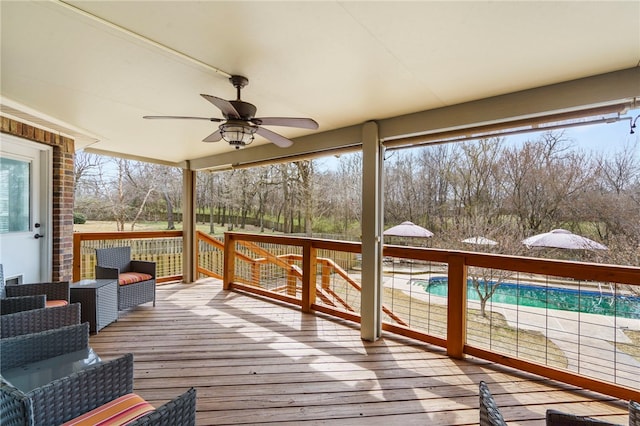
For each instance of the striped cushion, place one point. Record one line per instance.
(54, 303)
(132, 277)
(120, 411)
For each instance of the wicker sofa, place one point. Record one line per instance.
(36, 320)
(136, 278)
(95, 388)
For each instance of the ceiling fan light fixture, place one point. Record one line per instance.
(237, 133)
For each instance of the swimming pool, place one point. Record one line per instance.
(575, 300)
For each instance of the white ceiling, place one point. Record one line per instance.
(92, 69)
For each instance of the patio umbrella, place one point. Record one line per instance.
(561, 238)
(480, 241)
(408, 229)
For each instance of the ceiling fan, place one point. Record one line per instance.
(239, 124)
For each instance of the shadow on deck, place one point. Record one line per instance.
(256, 361)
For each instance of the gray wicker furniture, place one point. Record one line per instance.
(99, 300)
(10, 305)
(69, 397)
(557, 418)
(489, 413)
(112, 262)
(634, 413)
(37, 320)
(29, 348)
(54, 291)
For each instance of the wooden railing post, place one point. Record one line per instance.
(77, 261)
(457, 306)
(197, 254)
(255, 273)
(309, 268)
(229, 261)
(292, 282)
(326, 275)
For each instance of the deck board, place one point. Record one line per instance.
(256, 361)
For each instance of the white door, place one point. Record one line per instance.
(25, 210)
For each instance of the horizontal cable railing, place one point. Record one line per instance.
(574, 322)
(162, 247)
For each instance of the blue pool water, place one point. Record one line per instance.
(576, 300)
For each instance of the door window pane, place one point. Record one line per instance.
(14, 195)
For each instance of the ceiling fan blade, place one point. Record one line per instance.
(225, 106)
(304, 123)
(213, 137)
(277, 139)
(179, 117)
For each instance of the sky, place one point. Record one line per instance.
(607, 138)
(603, 138)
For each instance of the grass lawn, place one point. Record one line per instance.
(493, 332)
(632, 348)
(110, 226)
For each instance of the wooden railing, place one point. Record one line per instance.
(298, 270)
(323, 276)
(162, 247)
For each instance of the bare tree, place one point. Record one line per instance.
(486, 281)
(86, 167)
(612, 208)
(346, 192)
(476, 181)
(305, 180)
(541, 178)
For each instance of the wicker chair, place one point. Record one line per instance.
(56, 293)
(634, 413)
(17, 304)
(558, 418)
(29, 348)
(74, 395)
(11, 305)
(489, 413)
(135, 287)
(36, 320)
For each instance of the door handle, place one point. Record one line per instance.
(36, 236)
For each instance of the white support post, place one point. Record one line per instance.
(371, 302)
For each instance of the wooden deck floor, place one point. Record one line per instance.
(256, 362)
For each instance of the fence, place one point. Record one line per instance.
(162, 247)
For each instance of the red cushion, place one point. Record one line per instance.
(132, 277)
(120, 411)
(54, 303)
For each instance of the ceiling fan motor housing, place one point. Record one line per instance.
(238, 81)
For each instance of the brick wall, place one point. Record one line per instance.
(62, 192)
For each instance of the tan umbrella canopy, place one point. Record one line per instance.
(561, 238)
(480, 241)
(409, 230)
